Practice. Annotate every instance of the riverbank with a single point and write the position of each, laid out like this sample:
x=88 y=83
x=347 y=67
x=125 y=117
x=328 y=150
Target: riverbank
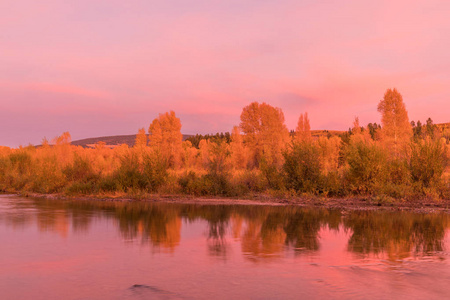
x=344 y=204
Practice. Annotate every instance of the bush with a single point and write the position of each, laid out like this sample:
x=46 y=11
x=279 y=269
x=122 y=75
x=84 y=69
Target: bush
x=302 y=168
x=427 y=163
x=21 y=166
x=109 y=184
x=135 y=175
x=332 y=184
x=80 y=170
x=191 y=184
x=21 y=161
x=154 y=172
x=272 y=175
x=47 y=176
x=250 y=181
x=217 y=184
x=128 y=176
x=83 y=188
x=367 y=167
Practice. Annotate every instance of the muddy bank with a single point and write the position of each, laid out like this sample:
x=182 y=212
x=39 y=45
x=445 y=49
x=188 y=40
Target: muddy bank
x=344 y=204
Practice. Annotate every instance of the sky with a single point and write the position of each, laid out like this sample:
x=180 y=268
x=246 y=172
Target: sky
x=109 y=67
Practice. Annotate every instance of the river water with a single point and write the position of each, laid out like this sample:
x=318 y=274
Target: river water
x=109 y=250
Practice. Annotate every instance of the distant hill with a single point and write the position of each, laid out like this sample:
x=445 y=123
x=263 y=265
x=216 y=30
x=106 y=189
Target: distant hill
x=111 y=141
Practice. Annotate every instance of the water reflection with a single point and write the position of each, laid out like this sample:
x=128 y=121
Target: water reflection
x=149 y=223
x=399 y=234
x=264 y=233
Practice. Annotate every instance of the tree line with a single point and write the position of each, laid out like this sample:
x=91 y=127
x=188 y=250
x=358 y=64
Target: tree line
x=395 y=159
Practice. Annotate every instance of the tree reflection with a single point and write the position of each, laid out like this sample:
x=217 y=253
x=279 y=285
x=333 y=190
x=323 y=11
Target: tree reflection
x=265 y=233
x=271 y=230
x=399 y=234
x=218 y=218
x=262 y=241
x=150 y=223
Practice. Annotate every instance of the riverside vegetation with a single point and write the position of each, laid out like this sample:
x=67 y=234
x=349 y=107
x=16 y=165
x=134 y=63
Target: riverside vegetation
x=398 y=159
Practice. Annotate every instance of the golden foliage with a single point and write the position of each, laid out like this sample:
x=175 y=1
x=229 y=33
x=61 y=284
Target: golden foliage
x=259 y=157
x=396 y=130
x=303 y=130
x=265 y=133
x=166 y=137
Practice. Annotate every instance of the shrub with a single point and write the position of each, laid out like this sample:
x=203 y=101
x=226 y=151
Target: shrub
x=250 y=181
x=47 y=176
x=427 y=163
x=191 y=184
x=80 y=170
x=302 y=168
x=154 y=172
x=216 y=184
x=366 y=167
x=20 y=170
x=332 y=184
x=128 y=176
x=272 y=175
x=83 y=188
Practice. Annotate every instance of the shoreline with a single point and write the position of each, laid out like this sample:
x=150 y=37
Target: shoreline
x=342 y=204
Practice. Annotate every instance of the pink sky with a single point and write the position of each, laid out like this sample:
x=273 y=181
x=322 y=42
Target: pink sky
x=107 y=67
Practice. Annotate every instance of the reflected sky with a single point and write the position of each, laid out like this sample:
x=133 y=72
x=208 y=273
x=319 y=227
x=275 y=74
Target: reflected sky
x=104 y=249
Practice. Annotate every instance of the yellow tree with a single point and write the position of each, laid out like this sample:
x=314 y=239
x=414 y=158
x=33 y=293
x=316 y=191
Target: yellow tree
x=264 y=132
x=141 y=139
x=303 y=130
x=238 y=151
x=63 y=139
x=358 y=135
x=203 y=147
x=396 y=130
x=166 y=137
x=329 y=149
x=189 y=155
x=140 y=147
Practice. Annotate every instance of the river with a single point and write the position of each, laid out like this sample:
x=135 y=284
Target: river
x=54 y=249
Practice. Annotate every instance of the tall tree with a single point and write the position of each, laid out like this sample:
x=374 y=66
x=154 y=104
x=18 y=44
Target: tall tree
x=264 y=132
x=166 y=137
x=141 y=139
x=238 y=151
x=303 y=131
x=396 y=130
x=358 y=135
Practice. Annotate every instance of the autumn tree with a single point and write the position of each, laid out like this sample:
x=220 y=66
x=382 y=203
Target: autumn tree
x=264 y=133
x=374 y=129
x=189 y=155
x=63 y=139
x=303 y=130
x=431 y=128
x=358 y=134
x=204 y=153
x=428 y=162
x=396 y=130
x=329 y=149
x=302 y=167
x=141 y=139
x=238 y=150
x=166 y=137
